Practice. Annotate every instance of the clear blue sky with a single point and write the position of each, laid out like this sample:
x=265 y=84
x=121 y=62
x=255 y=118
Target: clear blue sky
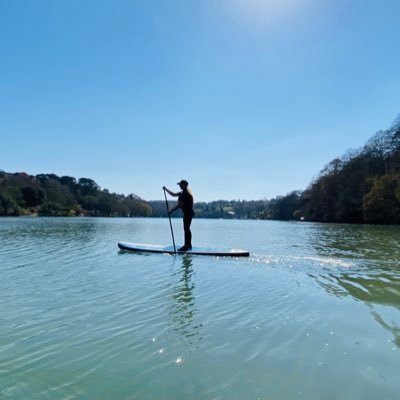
x=246 y=99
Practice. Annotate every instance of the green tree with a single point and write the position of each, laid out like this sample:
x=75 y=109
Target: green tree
x=382 y=203
x=88 y=187
x=283 y=208
x=52 y=208
x=32 y=196
x=137 y=208
x=89 y=203
x=8 y=205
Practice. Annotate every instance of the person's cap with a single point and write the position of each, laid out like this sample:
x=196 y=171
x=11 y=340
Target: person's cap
x=183 y=182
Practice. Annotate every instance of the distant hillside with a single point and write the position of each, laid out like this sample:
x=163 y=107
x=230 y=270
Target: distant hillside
x=51 y=195
x=363 y=186
x=227 y=209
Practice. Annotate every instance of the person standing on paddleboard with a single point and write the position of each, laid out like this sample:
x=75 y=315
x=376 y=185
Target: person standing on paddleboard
x=185 y=203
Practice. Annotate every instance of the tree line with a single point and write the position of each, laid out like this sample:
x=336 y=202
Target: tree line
x=362 y=186
x=227 y=209
x=51 y=195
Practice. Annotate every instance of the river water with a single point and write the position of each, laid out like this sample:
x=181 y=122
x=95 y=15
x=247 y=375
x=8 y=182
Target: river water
x=313 y=313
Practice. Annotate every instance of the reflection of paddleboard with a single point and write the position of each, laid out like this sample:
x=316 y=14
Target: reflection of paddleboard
x=198 y=251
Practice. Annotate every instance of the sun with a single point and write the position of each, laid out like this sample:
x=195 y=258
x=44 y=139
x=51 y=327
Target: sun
x=266 y=12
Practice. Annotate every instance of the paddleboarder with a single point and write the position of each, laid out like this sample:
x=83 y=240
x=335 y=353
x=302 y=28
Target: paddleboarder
x=185 y=203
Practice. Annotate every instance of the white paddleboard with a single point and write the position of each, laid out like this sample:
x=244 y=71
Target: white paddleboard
x=198 y=251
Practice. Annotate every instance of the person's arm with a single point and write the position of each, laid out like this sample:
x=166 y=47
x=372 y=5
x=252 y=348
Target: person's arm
x=170 y=193
x=178 y=205
x=174 y=209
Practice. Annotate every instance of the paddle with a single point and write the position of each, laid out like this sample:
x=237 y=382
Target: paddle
x=170 y=223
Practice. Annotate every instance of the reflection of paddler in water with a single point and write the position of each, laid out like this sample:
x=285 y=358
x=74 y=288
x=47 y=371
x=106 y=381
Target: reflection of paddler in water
x=183 y=307
x=185 y=203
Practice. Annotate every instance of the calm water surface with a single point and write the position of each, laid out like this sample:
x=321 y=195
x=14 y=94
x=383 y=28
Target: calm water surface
x=314 y=313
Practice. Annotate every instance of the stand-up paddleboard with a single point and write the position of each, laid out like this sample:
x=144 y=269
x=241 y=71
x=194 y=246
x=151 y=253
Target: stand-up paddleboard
x=198 y=251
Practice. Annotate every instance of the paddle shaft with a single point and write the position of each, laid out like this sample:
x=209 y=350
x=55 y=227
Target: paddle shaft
x=170 y=223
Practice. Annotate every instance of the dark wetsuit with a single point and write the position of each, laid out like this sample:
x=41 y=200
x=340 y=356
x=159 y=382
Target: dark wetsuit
x=187 y=208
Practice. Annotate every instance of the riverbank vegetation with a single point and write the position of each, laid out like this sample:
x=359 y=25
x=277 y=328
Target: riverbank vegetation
x=233 y=209
x=51 y=195
x=363 y=186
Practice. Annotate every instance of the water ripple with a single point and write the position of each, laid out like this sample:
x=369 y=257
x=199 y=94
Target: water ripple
x=81 y=320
